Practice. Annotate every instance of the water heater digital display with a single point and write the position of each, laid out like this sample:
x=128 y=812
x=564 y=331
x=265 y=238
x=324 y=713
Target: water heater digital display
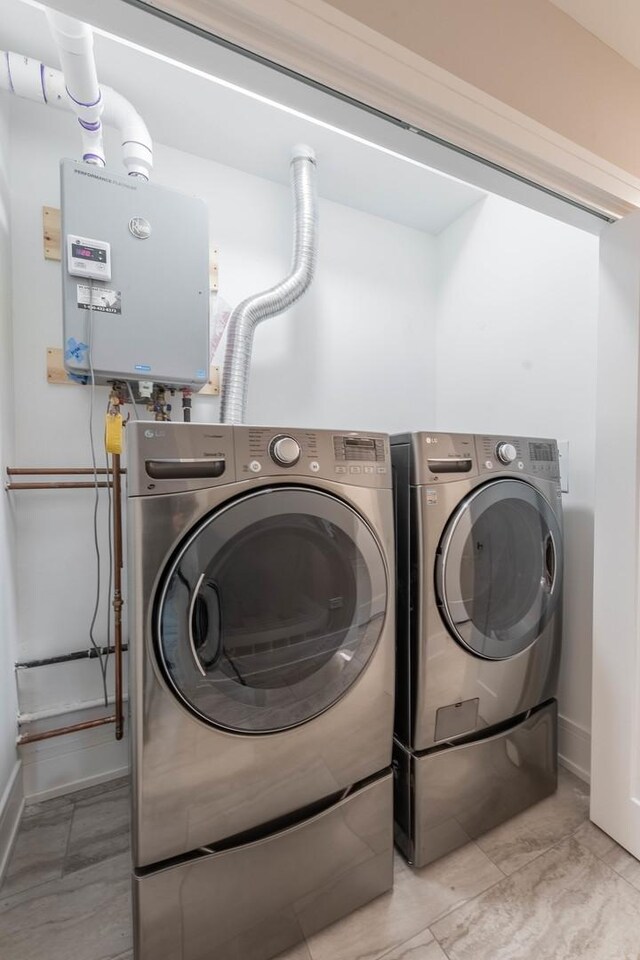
x=88 y=258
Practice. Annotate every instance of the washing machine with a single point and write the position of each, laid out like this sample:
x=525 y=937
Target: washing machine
x=479 y=623
x=261 y=598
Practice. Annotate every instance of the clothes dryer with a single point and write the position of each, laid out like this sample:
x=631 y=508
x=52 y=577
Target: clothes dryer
x=262 y=646
x=479 y=567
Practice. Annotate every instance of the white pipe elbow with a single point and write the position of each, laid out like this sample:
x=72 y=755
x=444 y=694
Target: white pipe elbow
x=137 y=146
x=75 y=46
x=28 y=78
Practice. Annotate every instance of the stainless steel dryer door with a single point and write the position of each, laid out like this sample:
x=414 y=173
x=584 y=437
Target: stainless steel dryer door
x=499 y=569
x=271 y=609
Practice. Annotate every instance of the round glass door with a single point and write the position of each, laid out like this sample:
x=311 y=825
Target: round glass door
x=271 y=609
x=499 y=569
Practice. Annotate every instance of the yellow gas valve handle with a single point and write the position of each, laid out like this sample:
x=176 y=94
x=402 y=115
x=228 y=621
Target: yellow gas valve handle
x=113 y=433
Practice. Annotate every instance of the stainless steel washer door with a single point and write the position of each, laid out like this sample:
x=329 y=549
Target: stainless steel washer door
x=271 y=609
x=499 y=569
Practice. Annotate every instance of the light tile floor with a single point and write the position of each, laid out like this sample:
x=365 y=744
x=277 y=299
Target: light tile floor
x=548 y=885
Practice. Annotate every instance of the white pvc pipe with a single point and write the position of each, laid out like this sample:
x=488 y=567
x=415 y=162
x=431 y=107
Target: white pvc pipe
x=137 y=148
x=75 y=46
x=28 y=78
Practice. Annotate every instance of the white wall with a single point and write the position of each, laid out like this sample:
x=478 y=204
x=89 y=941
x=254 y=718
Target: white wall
x=351 y=354
x=495 y=318
x=9 y=771
x=516 y=353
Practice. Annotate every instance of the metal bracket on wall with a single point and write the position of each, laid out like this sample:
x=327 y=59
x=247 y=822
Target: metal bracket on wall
x=213 y=270
x=212 y=388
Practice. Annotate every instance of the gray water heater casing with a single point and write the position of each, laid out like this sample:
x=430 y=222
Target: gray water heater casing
x=150 y=321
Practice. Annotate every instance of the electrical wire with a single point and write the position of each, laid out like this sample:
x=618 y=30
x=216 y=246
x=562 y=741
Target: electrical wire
x=110 y=542
x=96 y=503
x=133 y=400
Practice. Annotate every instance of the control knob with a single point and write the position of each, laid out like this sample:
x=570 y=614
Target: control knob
x=506 y=452
x=285 y=451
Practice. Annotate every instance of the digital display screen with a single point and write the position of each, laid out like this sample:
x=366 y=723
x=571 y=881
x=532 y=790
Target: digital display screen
x=359 y=442
x=359 y=448
x=542 y=452
x=82 y=252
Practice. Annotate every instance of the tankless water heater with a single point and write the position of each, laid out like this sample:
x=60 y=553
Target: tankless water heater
x=135 y=279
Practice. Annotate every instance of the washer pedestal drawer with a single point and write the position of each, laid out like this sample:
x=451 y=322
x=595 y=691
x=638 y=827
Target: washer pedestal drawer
x=257 y=899
x=451 y=795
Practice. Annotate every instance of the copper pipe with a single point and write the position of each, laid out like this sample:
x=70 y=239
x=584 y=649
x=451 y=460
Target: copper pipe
x=56 y=471
x=57 y=486
x=117 y=590
x=61 y=731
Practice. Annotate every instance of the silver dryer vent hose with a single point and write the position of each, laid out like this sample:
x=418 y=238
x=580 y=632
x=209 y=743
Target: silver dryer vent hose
x=252 y=311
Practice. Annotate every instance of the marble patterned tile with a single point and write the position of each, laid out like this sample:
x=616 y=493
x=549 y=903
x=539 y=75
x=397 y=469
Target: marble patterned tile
x=417 y=899
x=421 y=947
x=41 y=843
x=33 y=810
x=530 y=833
x=595 y=839
x=99 y=828
x=98 y=789
x=299 y=952
x=625 y=864
x=85 y=916
x=565 y=905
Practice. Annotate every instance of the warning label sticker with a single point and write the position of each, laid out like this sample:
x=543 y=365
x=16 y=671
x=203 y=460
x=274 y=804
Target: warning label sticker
x=99 y=299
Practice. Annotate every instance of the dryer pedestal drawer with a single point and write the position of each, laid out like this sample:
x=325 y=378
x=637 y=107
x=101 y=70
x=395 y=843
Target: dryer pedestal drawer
x=449 y=796
x=255 y=900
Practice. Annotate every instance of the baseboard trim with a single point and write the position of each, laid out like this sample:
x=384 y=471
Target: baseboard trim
x=574 y=748
x=76 y=785
x=11 y=807
x=65 y=764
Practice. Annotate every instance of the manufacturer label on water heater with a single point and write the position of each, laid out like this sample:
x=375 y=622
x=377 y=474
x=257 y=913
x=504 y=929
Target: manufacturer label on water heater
x=100 y=299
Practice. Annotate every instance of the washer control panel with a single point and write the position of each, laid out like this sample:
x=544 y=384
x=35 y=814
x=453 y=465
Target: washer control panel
x=527 y=455
x=180 y=457
x=349 y=457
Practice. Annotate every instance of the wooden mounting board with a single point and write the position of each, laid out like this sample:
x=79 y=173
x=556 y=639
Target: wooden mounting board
x=51 y=233
x=56 y=372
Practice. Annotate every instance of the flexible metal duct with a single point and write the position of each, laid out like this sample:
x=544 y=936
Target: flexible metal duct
x=252 y=311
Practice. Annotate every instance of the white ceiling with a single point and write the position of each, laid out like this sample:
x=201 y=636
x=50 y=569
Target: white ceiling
x=191 y=111
x=615 y=22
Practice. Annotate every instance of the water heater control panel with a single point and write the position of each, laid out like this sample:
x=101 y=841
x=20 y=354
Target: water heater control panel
x=88 y=258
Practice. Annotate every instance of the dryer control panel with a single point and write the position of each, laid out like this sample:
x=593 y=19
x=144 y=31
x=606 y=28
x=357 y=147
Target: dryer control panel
x=529 y=455
x=447 y=457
